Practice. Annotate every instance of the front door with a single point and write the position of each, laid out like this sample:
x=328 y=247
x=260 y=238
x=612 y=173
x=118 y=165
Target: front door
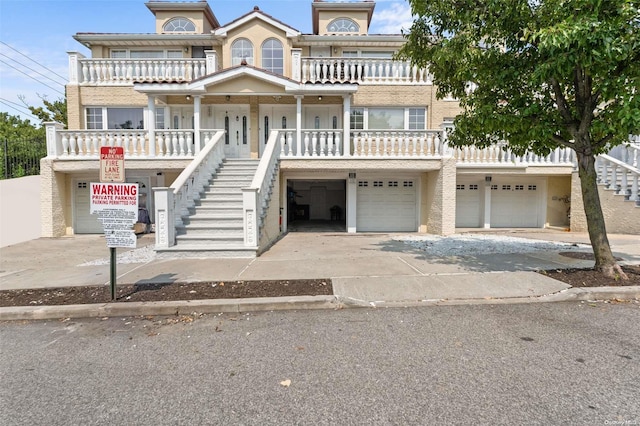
x=275 y=117
x=235 y=122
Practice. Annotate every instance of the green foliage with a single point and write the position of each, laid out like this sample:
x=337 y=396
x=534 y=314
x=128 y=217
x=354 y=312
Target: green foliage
x=547 y=73
x=22 y=145
x=52 y=111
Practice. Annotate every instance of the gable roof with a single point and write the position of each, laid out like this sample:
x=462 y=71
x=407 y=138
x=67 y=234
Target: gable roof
x=257 y=14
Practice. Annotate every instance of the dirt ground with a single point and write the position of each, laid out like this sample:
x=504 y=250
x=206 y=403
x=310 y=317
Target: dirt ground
x=245 y=289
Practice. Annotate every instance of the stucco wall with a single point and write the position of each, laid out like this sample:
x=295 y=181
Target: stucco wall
x=621 y=217
x=558 y=200
x=325 y=17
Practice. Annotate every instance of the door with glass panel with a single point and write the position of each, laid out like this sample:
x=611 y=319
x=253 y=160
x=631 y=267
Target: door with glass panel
x=235 y=122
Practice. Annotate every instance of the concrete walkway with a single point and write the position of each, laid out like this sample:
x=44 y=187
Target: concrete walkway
x=366 y=269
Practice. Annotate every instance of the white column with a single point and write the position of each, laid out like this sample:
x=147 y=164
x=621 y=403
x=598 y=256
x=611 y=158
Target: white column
x=75 y=69
x=165 y=227
x=197 y=102
x=352 y=198
x=296 y=64
x=487 y=204
x=299 y=125
x=211 y=61
x=346 y=122
x=151 y=124
x=54 y=141
x=250 y=219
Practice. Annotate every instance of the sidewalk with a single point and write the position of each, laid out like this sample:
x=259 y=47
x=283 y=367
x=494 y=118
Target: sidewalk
x=366 y=269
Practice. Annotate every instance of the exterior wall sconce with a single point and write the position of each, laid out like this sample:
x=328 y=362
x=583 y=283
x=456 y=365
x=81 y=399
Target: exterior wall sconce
x=487 y=179
x=320 y=97
x=352 y=177
x=228 y=98
x=188 y=97
x=277 y=98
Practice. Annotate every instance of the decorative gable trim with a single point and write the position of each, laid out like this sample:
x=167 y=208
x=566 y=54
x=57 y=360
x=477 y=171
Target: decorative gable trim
x=257 y=14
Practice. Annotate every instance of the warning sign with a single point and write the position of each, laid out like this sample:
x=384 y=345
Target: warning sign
x=116 y=205
x=111 y=164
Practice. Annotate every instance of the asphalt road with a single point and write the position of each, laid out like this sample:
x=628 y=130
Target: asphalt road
x=569 y=363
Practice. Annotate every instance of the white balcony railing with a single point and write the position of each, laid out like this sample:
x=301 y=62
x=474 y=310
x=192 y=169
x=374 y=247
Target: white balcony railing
x=126 y=71
x=362 y=71
x=500 y=154
x=86 y=144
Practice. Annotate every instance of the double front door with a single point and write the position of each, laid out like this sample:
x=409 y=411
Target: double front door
x=235 y=122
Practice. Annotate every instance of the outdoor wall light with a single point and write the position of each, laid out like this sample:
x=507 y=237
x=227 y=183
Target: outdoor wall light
x=228 y=98
x=188 y=97
x=320 y=97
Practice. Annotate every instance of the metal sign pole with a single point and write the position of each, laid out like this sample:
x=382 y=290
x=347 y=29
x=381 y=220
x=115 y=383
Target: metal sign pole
x=113 y=273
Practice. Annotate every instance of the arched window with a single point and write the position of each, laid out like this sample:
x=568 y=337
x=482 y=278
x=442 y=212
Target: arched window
x=273 y=56
x=241 y=49
x=343 y=25
x=179 y=25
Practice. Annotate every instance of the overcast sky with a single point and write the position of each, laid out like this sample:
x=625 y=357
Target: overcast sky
x=35 y=36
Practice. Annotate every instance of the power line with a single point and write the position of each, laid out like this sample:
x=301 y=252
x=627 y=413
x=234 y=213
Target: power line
x=32 y=60
x=29 y=68
x=21 y=112
x=35 y=79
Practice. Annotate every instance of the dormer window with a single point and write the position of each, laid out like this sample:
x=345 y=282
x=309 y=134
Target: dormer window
x=343 y=25
x=179 y=25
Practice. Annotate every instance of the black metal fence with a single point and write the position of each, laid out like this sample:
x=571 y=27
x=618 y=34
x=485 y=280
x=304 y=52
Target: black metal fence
x=20 y=158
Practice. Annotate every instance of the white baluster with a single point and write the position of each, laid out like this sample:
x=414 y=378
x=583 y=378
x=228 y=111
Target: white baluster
x=306 y=144
x=282 y=144
x=181 y=142
x=336 y=141
x=290 y=142
x=314 y=141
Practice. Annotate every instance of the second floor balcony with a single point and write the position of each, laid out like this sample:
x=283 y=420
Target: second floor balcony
x=316 y=70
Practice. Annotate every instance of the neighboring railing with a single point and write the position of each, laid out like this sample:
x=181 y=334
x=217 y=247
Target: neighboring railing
x=174 y=202
x=21 y=157
x=500 y=154
x=399 y=143
x=119 y=71
x=362 y=71
x=628 y=152
x=619 y=176
x=255 y=198
x=86 y=144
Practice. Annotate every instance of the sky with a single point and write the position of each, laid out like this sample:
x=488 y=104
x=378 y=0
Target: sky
x=35 y=36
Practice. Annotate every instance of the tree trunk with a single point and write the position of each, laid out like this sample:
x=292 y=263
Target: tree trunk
x=605 y=262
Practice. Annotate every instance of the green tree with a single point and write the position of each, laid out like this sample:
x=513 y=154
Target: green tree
x=538 y=74
x=51 y=111
x=22 y=145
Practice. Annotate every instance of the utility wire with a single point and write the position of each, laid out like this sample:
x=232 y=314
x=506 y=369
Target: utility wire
x=32 y=60
x=35 y=79
x=21 y=112
x=29 y=68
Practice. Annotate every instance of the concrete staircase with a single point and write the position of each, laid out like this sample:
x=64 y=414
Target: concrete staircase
x=214 y=227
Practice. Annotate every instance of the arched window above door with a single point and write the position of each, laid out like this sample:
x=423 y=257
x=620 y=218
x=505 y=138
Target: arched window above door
x=273 y=56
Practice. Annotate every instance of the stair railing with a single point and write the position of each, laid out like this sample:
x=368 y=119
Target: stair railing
x=174 y=202
x=255 y=198
x=619 y=176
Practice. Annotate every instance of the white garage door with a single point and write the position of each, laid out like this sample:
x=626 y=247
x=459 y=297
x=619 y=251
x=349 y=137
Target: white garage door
x=85 y=223
x=387 y=205
x=517 y=203
x=468 y=205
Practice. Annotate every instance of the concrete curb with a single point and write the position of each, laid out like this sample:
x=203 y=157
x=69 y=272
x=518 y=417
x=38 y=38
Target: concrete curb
x=207 y=306
x=185 y=307
x=568 y=295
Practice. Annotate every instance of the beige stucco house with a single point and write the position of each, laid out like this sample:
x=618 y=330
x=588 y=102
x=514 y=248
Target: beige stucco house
x=240 y=132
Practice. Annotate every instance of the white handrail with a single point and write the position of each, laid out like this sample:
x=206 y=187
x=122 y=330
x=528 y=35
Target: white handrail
x=255 y=198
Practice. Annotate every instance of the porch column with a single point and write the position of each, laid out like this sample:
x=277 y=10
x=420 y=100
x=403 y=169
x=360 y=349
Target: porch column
x=487 y=203
x=346 y=124
x=299 y=124
x=352 y=198
x=151 y=124
x=197 y=101
x=165 y=219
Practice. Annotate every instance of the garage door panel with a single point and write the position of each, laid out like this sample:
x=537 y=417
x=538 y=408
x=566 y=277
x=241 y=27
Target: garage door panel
x=516 y=204
x=468 y=205
x=84 y=221
x=387 y=205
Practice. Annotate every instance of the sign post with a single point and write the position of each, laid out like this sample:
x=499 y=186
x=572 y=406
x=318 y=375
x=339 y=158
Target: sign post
x=116 y=204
